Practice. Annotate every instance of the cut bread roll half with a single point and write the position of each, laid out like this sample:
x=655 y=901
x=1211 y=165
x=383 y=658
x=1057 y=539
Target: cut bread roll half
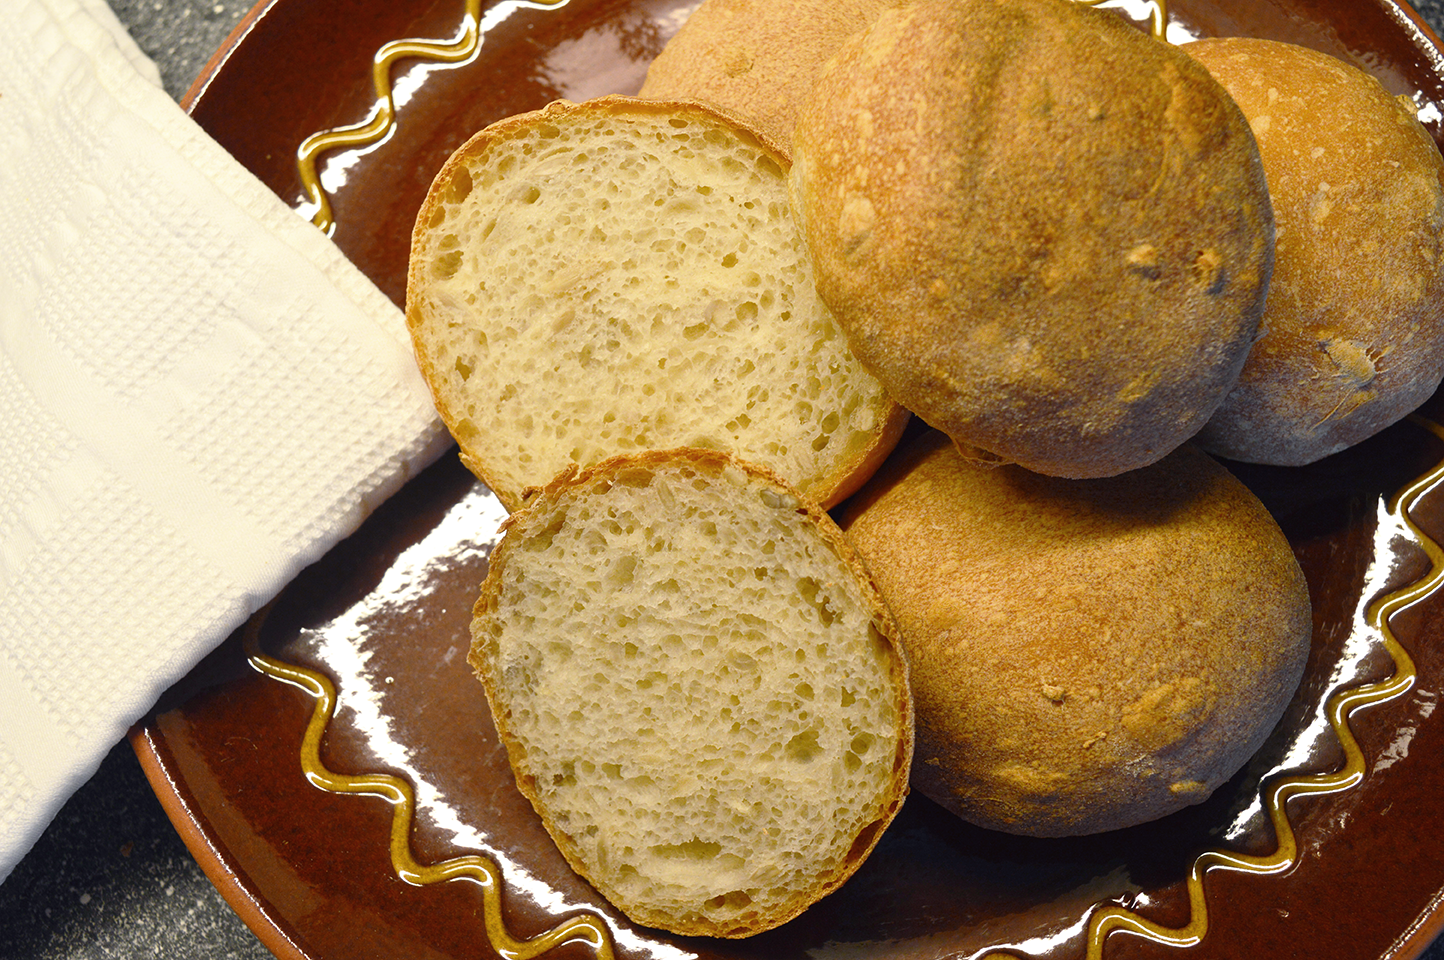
x=698 y=687
x=602 y=278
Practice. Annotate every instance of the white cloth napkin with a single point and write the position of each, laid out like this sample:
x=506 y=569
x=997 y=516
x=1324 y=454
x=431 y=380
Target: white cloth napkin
x=198 y=396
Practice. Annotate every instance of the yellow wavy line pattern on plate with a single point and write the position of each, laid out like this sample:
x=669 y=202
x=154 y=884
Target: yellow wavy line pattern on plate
x=585 y=927
x=383 y=112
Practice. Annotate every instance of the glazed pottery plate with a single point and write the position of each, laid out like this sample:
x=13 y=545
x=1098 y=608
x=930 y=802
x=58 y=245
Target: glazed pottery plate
x=334 y=768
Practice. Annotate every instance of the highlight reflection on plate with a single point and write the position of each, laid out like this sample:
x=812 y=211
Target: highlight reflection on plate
x=312 y=864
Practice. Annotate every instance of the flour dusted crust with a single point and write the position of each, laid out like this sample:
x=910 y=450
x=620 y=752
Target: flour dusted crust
x=605 y=277
x=698 y=687
x=757 y=58
x=1355 y=318
x=1046 y=232
x=1085 y=655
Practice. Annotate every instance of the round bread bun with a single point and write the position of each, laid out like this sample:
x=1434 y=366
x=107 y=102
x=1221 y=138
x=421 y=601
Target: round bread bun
x=593 y=279
x=1355 y=318
x=698 y=687
x=1046 y=232
x=1085 y=655
x=757 y=58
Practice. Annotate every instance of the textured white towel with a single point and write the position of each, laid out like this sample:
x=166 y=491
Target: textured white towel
x=198 y=396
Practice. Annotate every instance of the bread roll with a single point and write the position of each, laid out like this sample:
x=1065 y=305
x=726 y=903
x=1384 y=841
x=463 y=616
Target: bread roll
x=619 y=275
x=757 y=58
x=1086 y=655
x=1046 y=232
x=1355 y=319
x=698 y=689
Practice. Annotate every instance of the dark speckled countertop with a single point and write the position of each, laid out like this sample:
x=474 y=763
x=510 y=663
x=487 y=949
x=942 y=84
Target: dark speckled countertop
x=110 y=878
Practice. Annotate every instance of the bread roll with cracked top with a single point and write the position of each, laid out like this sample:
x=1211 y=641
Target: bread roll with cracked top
x=606 y=277
x=698 y=688
x=1355 y=318
x=1085 y=655
x=1046 y=232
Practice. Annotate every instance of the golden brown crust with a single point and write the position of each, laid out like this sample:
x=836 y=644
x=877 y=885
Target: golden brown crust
x=831 y=488
x=1085 y=655
x=851 y=477
x=574 y=483
x=757 y=58
x=1047 y=233
x=1355 y=318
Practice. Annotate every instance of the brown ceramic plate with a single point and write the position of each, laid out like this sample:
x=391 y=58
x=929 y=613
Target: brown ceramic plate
x=324 y=828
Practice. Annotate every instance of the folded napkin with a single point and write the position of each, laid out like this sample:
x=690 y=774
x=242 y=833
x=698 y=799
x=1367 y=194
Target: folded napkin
x=198 y=396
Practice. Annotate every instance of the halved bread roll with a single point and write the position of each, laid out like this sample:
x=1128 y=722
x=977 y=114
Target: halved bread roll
x=698 y=688
x=620 y=275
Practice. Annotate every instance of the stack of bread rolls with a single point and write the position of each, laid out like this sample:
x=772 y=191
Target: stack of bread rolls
x=1081 y=254
x=1086 y=260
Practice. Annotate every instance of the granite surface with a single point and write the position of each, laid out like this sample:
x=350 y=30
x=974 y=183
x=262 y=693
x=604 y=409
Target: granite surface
x=111 y=878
